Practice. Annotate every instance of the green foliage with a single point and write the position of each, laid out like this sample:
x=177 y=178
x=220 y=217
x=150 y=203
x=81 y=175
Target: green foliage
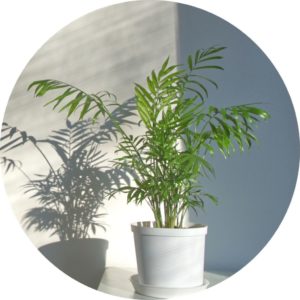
x=171 y=106
x=77 y=100
x=168 y=160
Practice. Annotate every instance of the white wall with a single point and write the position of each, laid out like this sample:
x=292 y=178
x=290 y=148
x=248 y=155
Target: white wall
x=116 y=46
x=255 y=187
x=108 y=49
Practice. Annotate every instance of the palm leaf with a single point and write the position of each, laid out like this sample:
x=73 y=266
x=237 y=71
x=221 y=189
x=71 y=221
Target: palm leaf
x=72 y=99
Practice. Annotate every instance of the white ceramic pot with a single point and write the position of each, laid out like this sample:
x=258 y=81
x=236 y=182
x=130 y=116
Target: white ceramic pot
x=171 y=258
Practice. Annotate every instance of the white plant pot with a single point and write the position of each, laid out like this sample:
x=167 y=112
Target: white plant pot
x=169 y=258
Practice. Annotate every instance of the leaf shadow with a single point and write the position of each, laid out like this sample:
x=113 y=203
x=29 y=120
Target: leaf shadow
x=71 y=197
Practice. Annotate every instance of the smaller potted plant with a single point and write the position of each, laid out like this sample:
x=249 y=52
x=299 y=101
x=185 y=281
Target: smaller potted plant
x=167 y=161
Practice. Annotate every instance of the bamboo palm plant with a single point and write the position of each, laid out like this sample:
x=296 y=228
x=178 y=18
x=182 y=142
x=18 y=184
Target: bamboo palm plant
x=169 y=159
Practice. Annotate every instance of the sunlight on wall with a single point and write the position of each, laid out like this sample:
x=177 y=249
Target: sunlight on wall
x=109 y=49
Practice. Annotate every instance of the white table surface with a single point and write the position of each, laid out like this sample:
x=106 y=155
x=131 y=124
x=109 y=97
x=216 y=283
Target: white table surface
x=116 y=282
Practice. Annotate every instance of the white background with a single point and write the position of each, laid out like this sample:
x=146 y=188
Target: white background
x=26 y=25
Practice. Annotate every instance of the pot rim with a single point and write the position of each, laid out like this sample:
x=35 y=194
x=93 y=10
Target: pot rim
x=148 y=228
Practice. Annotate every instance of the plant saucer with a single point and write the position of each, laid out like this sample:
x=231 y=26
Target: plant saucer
x=164 y=292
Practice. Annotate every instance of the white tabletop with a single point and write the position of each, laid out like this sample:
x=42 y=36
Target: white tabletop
x=116 y=282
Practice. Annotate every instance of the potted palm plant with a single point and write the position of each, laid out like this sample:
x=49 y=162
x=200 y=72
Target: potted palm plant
x=169 y=159
x=70 y=198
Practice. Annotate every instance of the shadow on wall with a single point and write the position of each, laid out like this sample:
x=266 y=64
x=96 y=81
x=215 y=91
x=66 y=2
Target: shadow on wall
x=71 y=196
